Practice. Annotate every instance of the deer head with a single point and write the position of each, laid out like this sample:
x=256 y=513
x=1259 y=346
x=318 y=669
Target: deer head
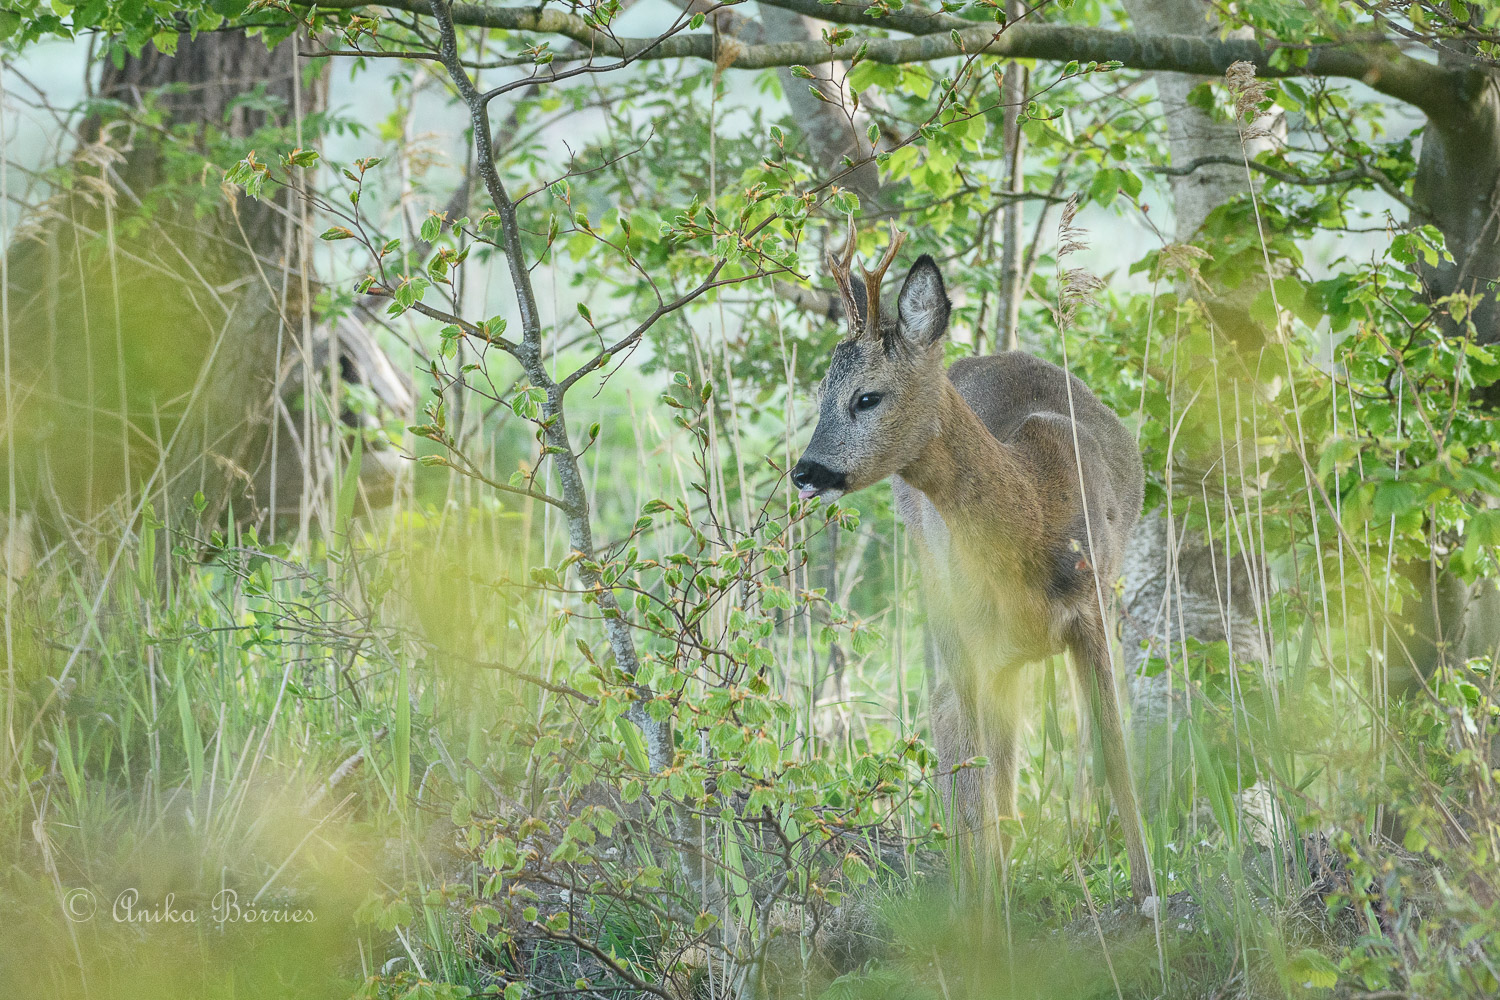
x=880 y=397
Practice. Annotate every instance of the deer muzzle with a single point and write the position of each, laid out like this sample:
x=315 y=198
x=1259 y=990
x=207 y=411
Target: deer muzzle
x=812 y=478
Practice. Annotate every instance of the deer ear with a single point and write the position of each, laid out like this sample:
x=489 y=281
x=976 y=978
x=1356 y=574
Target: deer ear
x=923 y=306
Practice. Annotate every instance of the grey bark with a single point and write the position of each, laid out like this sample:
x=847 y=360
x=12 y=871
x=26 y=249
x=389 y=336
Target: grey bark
x=153 y=349
x=150 y=344
x=831 y=127
x=939 y=36
x=1191 y=133
x=1458 y=185
x=1457 y=188
x=1012 y=216
x=1177 y=587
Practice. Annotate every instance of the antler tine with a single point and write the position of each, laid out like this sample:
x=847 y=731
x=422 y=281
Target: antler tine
x=873 y=278
x=838 y=267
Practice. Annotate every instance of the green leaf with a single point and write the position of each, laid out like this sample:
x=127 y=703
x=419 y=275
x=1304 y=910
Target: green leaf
x=349 y=489
x=1202 y=98
x=871 y=74
x=1483 y=529
x=432 y=228
x=408 y=294
x=856 y=871
x=482 y=918
x=1106 y=185
x=1313 y=970
x=1395 y=498
x=916 y=80
x=1338 y=454
x=630 y=736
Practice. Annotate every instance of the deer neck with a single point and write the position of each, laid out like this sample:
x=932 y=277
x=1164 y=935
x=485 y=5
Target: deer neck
x=976 y=482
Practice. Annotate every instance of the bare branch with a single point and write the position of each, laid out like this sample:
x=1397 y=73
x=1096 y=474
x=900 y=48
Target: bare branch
x=484 y=149
x=1437 y=90
x=1355 y=173
x=575 y=500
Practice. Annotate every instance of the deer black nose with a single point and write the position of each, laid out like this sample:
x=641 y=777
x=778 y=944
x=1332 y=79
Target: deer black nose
x=813 y=477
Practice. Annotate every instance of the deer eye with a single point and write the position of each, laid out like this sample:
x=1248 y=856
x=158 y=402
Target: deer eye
x=867 y=401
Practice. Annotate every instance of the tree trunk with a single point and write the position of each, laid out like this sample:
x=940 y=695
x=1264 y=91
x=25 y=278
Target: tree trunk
x=153 y=329
x=1012 y=234
x=153 y=314
x=1458 y=184
x=1191 y=133
x=211 y=82
x=1457 y=187
x=832 y=127
x=1177 y=587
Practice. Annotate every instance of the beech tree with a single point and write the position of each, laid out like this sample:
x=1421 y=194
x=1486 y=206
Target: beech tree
x=192 y=395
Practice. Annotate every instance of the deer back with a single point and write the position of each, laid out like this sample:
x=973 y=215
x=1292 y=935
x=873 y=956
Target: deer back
x=1023 y=402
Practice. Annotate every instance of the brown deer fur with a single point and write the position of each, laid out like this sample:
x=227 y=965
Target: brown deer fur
x=1018 y=562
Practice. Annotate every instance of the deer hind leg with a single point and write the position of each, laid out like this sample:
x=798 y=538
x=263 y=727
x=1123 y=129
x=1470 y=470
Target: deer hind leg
x=1089 y=646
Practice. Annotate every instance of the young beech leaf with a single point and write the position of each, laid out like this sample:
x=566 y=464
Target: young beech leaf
x=856 y=871
x=1312 y=970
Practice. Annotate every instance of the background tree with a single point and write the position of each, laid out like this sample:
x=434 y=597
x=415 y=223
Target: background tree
x=167 y=342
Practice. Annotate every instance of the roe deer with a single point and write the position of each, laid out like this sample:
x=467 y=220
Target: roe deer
x=1020 y=534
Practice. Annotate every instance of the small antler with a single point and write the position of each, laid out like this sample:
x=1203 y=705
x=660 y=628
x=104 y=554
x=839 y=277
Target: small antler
x=839 y=265
x=875 y=277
